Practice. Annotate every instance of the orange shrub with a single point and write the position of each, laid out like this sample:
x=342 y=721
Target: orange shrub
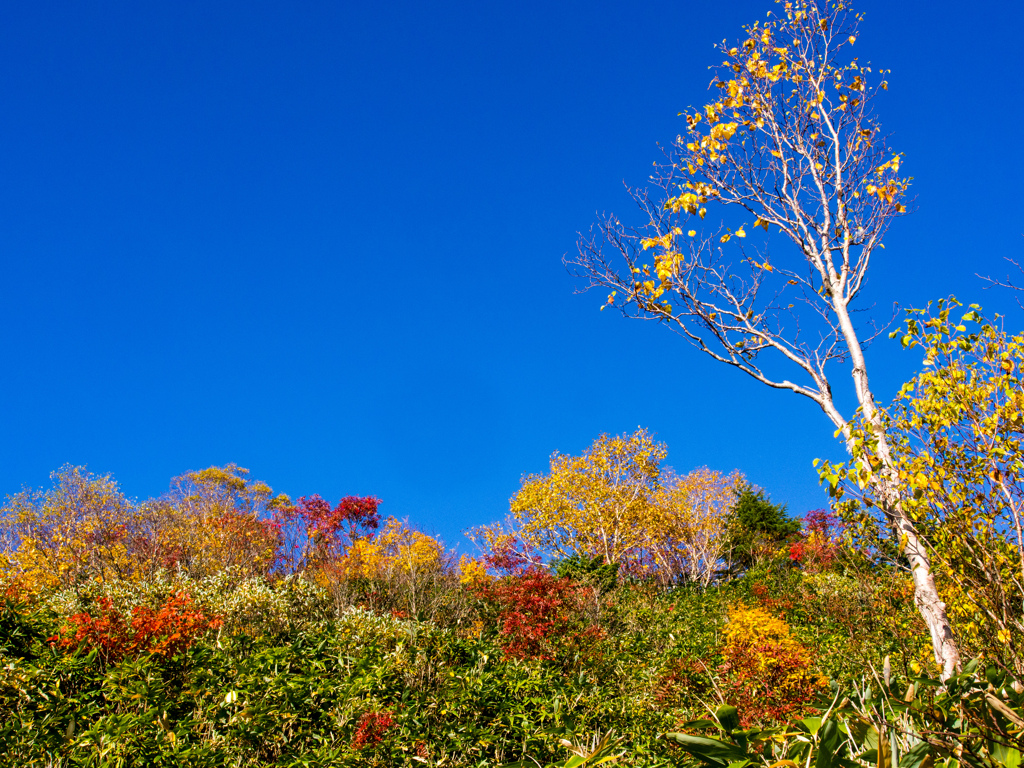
x=164 y=631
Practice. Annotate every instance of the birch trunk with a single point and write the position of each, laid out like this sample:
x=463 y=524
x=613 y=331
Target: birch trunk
x=887 y=491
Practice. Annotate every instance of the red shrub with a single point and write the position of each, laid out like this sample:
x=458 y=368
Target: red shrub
x=166 y=631
x=541 y=616
x=682 y=679
x=819 y=544
x=777 y=605
x=371 y=728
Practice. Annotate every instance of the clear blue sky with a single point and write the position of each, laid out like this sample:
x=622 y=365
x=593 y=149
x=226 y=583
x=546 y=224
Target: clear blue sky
x=323 y=240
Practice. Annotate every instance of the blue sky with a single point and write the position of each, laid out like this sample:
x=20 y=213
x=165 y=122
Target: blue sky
x=324 y=240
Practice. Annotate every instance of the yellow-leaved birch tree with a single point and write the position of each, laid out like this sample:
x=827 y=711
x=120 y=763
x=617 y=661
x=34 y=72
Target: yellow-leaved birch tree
x=688 y=529
x=597 y=504
x=789 y=144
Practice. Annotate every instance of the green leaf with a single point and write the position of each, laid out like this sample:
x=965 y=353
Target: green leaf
x=918 y=756
x=829 y=742
x=709 y=751
x=1003 y=754
x=994 y=676
x=729 y=717
x=812 y=724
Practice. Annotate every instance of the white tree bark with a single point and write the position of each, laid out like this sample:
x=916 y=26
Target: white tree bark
x=790 y=141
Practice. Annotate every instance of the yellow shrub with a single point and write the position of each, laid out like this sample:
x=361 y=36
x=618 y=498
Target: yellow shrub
x=768 y=670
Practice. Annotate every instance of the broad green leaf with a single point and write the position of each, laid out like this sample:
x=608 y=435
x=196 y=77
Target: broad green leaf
x=729 y=717
x=829 y=742
x=710 y=751
x=918 y=756
x=812 y=724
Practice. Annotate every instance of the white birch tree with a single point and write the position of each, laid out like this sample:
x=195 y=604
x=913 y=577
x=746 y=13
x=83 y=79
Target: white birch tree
x=790 y=144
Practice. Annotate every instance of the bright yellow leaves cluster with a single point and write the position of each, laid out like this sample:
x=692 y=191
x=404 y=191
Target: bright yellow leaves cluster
x=614 y=501
x=597 y=503
x=472 y=571
x=783 y=97
x=957 y=437
x=887 y=186
x=398 y=549
x=768 y=668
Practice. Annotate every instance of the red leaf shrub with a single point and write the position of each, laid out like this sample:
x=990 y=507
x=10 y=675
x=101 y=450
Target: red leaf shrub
x=541 y=616
x=165 y=631
x=776 y=605
x=682 y=681
x=371 y=728
x=819 y=545
x=508 y=554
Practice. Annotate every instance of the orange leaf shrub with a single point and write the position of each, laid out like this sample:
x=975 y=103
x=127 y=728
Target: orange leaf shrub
x=165 y=631
x=767 y=669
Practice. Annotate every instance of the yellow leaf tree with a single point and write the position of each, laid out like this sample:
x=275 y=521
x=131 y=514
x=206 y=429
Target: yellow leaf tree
x=214 y=519
x=597 y=504
x=81 y=528
x=957 y=435
x=788 y=143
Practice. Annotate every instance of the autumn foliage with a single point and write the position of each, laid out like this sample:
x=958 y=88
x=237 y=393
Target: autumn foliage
x=371 y=728
x=617 y=503
x=320 y=533
x=164 y=631
x=765 y=667
x=819 y=544
x=224 y=624
x=541 y=616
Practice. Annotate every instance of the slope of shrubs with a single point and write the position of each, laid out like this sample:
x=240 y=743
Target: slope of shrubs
x=251 y=671
x=136 y=635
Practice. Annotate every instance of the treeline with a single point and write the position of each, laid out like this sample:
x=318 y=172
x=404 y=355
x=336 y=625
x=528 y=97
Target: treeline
x=83 y=530
x=221 y=624
x=224 y=625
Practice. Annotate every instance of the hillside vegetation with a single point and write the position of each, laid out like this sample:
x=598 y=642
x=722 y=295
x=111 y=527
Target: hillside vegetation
x=220 y=625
